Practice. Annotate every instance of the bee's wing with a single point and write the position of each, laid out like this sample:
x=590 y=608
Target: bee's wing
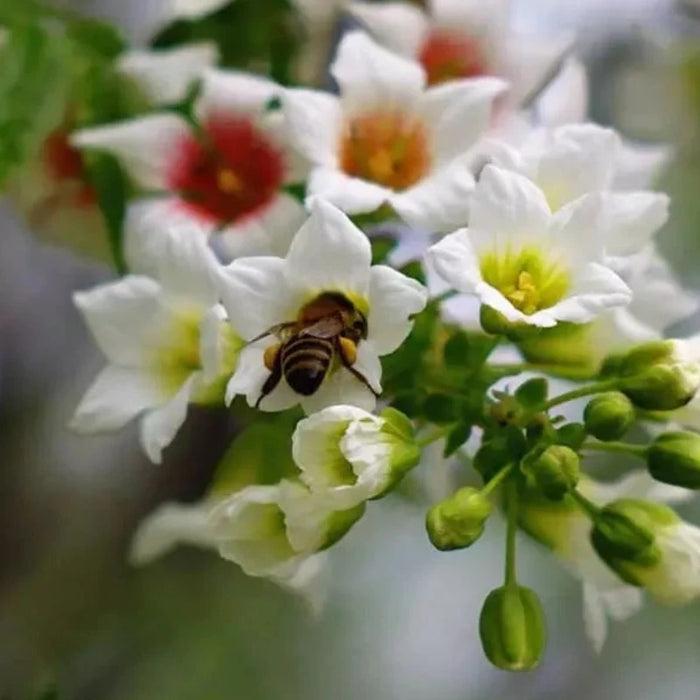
x=273 y=330
x=327 y=327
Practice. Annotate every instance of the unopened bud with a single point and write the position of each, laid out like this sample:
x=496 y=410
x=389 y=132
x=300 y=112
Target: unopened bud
x=609 y=416
x=512 y=628
x=674 y=458
x=458 y=521
x=554 y=471
x=661 y=376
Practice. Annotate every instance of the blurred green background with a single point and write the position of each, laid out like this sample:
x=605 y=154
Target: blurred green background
x=401 y=619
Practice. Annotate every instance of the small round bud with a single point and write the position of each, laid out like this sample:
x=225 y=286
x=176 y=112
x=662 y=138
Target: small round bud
x=661 y=376
x=674 y=458
x=512 y=628
x=458 y=521
x=555 y=471
x=609 y=416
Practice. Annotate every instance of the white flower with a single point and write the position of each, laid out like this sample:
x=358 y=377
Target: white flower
x=565 y=529
x=326 y=273
x=166 y=341
x=387 y=139
x=348 y=455
x=173 y=524
x=165 y=76
x=530 y=265
x=230 y=179
x=573 y=160
x=456 y=39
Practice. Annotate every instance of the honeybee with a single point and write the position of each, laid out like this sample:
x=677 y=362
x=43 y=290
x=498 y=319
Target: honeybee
x=329 y=327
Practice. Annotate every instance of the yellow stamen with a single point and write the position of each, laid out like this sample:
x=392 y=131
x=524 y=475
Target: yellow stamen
x=229 y=182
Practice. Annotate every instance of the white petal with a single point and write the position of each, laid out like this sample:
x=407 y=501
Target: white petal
x=618 y=603
x=120 y=316
x=577 y=230
x=192 y=9
x=565 y=101
x=440 y=202
x=116 y=396
x=147 y=220
x=268 y=233
x=211 y=342
x=352 y=195
x=313 y=119
x=399 y=26
x=159 y=427
x=457 y=262
x=256 y=294
x=595 y=289
x=234 y=92
x=640 y=165
x=329 y=252
x=168 y=526
x=529 y=64
x=458 y=113
x=508 y=207
x=471 y=15
x=146 y=146
x=393 y=298
x=631 y=219
x=310 y=581
x=165 y=76
x=297 y=167
x=368 y=73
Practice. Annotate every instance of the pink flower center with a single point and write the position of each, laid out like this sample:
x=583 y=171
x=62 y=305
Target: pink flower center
x=64 y=164
x=449 y=55
x=231 y=172
x=388 y=148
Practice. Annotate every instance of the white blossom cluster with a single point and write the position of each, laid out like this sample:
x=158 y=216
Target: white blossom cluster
x=476 y=141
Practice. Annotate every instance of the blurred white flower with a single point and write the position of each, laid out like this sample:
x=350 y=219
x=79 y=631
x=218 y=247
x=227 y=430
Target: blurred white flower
x=165 y=76
x=167 y=343
x=455 y=39
x=326 y=273
x=526 y=263
x=230 y=177
x=565 y=529
x=389 y=140
x=347 y=455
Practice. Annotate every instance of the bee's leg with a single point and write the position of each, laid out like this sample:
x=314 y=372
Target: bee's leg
x=273 y=330
x=347 y=352
x=276 y=374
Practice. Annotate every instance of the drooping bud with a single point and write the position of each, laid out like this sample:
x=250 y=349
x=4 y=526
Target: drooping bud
x=663 y=375
x=458 y=521
x=554 y=471
x=512 y=628
x=609 y=416
x=674 y=458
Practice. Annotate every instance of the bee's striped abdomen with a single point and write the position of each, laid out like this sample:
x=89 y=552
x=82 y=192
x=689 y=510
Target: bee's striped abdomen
x=305 y=362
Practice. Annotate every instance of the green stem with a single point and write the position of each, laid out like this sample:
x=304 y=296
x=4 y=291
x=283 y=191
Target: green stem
x=447 y=294
x=555 y=370
x=438 y=433
x=639 y=450
x=512 y=516
x=586 y=390
x=588 y=507
x=497 y=480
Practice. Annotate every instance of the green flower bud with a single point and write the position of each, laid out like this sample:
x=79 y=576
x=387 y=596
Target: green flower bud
x=495 y=323
x=609 y=416
x=458 y=521
x=624 y=535
x=554 y=471
x=661 y=376
x=512 y=628
x=674 y=458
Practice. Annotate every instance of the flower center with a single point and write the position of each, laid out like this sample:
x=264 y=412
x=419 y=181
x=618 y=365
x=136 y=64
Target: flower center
x=449 y=55
x=65 y=165
x=232 y=172
x=388 y=148
x=178 y=355
x=526 y=278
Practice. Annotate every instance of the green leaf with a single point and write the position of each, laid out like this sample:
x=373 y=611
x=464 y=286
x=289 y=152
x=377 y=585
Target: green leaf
x=110 y=184
x=456 y=350
x=440 y=408
x=414 y=270
x=456 y=438
x=381 y=247
x=260 y=454
x=399 y=421
x=533 y=393
x=572 y=435
x=100 y=38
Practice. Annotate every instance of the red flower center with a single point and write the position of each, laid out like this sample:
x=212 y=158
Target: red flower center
x=388 y=148
x=64 y=164
x=231 y=172
x=448 y=55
